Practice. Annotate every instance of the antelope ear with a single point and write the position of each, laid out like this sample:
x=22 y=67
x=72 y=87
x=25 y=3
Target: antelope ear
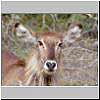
x=23 y=28
x=73 y=34
x=25 y=34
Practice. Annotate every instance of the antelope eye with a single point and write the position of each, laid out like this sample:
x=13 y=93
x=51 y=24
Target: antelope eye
x=40 y=43
x=60 y=44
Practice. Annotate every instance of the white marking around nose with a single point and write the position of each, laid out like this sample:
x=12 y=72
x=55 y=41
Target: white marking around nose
x=51 y=61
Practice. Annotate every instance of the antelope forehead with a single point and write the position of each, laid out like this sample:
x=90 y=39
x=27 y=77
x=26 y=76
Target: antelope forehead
x=51 y=40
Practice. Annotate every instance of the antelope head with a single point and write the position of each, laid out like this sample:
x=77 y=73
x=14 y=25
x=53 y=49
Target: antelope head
x=50 y=47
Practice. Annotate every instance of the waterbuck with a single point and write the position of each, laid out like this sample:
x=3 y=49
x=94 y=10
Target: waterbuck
x=43 y=66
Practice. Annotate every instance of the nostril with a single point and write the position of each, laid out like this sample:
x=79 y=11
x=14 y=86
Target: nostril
x=48 y=64
x=53 y=65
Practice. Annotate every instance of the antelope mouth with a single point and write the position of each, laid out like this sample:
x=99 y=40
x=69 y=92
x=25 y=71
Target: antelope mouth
x=49 y=72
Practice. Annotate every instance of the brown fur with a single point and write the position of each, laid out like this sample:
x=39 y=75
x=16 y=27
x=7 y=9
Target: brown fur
x=12 y=68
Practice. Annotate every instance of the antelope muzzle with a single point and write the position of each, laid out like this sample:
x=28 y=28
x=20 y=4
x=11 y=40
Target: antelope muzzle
x=50 y=65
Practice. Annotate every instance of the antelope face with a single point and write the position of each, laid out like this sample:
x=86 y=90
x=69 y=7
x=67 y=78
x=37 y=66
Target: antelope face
x=50 y=50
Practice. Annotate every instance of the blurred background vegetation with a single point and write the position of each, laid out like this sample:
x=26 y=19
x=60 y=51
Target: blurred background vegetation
x=86 y=73
x=36 y=21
